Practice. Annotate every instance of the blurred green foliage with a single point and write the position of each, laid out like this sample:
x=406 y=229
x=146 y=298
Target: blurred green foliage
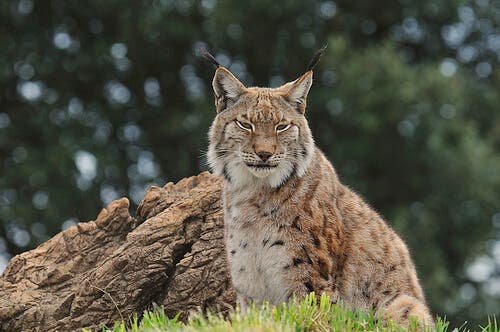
x=100 y=99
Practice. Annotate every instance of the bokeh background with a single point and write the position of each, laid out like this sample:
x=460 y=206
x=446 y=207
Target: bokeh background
x=101 y=99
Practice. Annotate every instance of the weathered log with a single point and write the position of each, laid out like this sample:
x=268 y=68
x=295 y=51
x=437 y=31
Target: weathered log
x=101 y=271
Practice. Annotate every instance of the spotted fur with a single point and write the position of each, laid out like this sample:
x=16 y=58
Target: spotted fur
x=291 y=227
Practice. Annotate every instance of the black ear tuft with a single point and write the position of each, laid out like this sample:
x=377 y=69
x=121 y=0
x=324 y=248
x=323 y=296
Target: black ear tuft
x=204 y=53
x=315 y=59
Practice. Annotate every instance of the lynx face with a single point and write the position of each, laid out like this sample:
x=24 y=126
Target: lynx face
x=260 y=135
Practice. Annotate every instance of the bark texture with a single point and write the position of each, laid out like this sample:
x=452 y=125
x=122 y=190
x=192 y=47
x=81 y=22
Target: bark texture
x=97 y=272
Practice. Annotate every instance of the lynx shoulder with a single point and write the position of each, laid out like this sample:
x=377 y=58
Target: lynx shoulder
x=291 y=227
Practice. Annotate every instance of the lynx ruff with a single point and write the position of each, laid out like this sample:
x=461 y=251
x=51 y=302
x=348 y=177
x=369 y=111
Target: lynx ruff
x=291 y=227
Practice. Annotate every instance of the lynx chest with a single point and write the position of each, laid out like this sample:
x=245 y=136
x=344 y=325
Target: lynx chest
x=257 y=255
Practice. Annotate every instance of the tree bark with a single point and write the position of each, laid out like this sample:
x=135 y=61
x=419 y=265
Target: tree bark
x=101 y=271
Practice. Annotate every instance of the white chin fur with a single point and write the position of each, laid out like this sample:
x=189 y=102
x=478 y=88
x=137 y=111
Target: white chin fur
x=262 y=173
x=242 y=175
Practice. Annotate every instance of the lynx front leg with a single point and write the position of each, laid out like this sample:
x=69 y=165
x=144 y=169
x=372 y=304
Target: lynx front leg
x=302 y=287
x=243 y=301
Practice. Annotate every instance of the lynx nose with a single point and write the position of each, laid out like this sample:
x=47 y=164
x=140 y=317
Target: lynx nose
x=264 y=155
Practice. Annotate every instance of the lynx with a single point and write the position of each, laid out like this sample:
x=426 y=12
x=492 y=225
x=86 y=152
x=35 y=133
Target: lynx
x=291 y=227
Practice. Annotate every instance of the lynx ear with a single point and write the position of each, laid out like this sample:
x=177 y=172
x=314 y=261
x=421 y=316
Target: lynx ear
x=298 y=90
x=227 y=88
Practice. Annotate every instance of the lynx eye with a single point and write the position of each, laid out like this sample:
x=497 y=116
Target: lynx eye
x=244 y=125
x=282 y=127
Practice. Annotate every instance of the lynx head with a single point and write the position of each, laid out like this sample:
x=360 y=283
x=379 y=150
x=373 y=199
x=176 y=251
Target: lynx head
x=259 y=136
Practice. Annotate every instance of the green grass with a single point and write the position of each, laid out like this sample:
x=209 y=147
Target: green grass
x=306 y=315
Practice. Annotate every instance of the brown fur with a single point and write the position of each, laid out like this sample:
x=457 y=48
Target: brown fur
x=294 y=227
